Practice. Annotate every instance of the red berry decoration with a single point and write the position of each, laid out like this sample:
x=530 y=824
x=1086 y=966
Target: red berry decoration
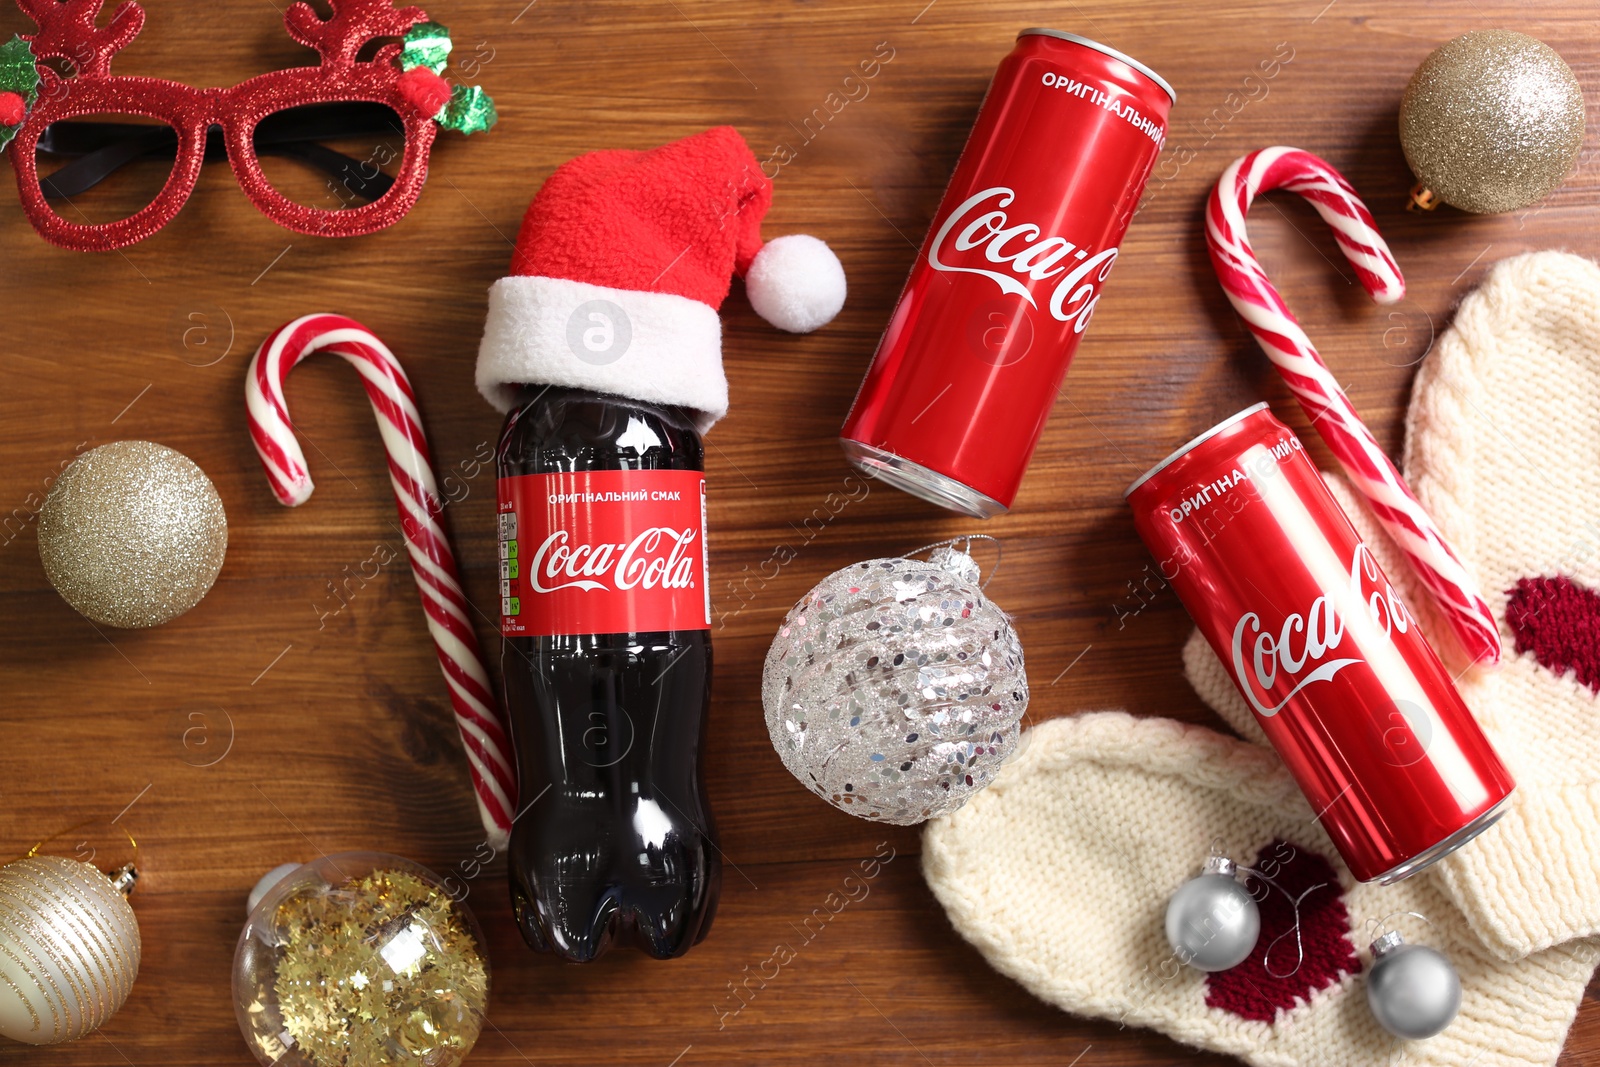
x=13 y=109
x=425 y=90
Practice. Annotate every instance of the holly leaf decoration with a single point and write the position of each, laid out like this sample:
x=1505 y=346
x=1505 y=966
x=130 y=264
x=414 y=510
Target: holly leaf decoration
x=463 y=108
x=19 y=86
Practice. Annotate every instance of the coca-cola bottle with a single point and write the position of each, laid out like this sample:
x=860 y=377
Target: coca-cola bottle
x=606 y=618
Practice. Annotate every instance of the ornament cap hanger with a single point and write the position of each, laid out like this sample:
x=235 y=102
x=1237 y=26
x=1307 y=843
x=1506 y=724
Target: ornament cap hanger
x=1422 y=199
x=1385 y=943
x=959 y=561
x=124 y=878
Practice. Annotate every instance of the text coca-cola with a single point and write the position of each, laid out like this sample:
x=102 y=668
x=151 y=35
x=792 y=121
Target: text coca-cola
x=589 y=567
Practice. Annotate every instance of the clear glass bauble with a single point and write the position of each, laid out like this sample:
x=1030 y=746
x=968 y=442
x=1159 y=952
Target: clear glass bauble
x=360 y=959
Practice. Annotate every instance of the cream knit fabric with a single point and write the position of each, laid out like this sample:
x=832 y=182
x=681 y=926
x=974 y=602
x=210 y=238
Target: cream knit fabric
x=1503 y=448
x=1060 y=871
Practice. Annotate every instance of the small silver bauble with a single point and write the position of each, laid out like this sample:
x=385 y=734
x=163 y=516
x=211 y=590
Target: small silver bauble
x=893 y=690
x=1413 y=991
x=1212 y=921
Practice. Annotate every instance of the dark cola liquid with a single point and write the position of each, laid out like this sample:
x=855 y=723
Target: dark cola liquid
x=614 y=843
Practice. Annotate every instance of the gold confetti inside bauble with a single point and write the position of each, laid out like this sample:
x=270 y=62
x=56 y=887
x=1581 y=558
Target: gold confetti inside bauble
x=1492 y=121
x=69 y=949
x=360 y=960
x=132 y=534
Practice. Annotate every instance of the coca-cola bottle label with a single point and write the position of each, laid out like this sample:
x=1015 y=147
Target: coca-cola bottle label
x=598 y=552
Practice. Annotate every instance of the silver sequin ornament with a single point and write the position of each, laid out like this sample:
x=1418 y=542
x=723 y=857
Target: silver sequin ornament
x=132 y=534
x=893 y=690
x=1491 y=121
x=1413 y=991
x=1212 y=921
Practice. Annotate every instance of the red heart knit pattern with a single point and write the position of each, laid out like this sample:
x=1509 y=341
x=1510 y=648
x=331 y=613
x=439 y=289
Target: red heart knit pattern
x=1284 y=970
x=1558 y=620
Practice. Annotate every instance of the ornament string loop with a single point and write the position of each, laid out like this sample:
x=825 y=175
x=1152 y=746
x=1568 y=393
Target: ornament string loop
x=967 y=539
x=1377 y=927
x=131 y=865
x=1294 y=904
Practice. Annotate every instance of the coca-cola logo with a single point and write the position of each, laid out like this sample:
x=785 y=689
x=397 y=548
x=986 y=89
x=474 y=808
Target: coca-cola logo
x=1297 y=652
x=658 y=558
x=1018 y=257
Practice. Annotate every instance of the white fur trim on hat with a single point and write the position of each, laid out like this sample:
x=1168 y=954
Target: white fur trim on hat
x=657 y=347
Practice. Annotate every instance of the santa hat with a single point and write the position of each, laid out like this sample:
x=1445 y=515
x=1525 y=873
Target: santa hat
x=624 y=258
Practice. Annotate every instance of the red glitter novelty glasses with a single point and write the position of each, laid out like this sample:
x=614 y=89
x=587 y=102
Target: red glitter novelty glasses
x=62 y=73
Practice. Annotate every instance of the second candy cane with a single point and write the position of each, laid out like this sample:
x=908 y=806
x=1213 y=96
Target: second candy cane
x=494 y=776
x=1330 y=411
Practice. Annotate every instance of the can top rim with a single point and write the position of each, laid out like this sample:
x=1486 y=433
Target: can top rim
x=1192 y=444
x=1039 y=31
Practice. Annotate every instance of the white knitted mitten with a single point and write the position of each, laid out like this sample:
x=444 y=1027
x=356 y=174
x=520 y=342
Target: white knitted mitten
x=1503 y=448
x=1059 y=873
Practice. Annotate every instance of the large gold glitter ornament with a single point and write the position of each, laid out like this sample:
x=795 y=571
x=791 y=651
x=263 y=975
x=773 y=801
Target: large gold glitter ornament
x=894 y=689
x=69 y=948
x=132 y=534
x=1492 y=121
x=357 y=960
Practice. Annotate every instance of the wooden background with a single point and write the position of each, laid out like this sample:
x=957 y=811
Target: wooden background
x=263 y=727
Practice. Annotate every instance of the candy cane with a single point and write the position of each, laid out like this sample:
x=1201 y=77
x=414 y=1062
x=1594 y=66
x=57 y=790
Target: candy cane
x=1320 y=395
x=417 y=498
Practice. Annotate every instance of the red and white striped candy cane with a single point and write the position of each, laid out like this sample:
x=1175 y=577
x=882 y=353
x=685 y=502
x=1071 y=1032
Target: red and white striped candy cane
x=494 y=776
x=1324 y=402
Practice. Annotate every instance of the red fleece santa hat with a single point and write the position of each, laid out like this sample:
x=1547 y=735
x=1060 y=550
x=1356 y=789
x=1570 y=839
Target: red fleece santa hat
x=621 y=264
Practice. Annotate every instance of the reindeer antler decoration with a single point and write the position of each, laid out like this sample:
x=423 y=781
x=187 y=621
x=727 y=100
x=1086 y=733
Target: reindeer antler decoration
x=340 y=36
x=68 y=31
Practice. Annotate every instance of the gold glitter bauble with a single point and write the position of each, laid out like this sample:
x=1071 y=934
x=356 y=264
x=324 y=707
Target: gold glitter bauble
x=1492 y=121
x=360 y=960
x=69 y=949
x=132 y=534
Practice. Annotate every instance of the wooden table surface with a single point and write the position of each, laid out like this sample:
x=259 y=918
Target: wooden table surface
x=266 y=726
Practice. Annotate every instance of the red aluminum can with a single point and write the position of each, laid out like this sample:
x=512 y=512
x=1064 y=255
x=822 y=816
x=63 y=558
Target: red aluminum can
x=1010 y=273
x=1322 y=648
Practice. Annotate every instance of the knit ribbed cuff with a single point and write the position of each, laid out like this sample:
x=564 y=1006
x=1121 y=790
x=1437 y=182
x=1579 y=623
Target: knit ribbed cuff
x=1531 y=880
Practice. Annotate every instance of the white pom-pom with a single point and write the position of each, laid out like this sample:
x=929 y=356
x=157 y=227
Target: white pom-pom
x=796 y=283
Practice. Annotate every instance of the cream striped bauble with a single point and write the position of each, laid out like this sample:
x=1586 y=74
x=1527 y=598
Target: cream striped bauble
x=69 y=949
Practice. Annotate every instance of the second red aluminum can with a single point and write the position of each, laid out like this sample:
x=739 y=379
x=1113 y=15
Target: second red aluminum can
x=1326 y=654
x=969 y=366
